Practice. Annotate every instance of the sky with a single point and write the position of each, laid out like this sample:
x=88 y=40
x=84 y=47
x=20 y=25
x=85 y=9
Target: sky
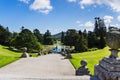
x=58 y=15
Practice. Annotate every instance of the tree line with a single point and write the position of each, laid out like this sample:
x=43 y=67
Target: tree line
x=32 y=40
x=82 y=41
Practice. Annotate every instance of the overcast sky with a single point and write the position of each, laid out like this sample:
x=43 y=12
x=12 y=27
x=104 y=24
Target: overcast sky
x=57 y=15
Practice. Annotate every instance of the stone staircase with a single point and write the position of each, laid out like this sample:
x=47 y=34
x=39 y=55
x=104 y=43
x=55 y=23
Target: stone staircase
x=47 y=78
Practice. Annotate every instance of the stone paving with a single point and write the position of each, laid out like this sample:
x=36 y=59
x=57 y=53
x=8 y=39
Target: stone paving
x=48 y=67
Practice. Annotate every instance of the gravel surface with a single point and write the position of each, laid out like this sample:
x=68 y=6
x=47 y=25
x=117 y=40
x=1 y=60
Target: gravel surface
x=48 y=67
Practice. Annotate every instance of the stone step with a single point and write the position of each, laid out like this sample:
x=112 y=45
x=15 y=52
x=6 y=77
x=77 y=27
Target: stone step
x=46 y=78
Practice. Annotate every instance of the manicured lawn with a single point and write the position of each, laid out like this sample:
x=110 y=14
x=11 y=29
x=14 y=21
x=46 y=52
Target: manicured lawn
x=7 y=56
x=48 y=47
x=92 y=58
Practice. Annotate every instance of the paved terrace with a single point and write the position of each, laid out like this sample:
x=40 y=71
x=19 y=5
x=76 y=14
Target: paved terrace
x=48 y=67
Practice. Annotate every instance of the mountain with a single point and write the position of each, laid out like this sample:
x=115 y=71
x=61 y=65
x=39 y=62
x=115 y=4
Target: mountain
x=58 y=35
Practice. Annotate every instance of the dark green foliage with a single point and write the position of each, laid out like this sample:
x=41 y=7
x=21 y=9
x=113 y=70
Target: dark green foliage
x=92 y=40
x=13 y=38
x=79 y=40
x=80 y=32
x=102 y=42
x=100 y=32
x=84 y=34
x=62 y=37
x=99 y=27
x=71 y=37
x=5 y=36
x=27 y=39
x=38 y=35
x=96 y=29
x=81 y=44
x=83 y=40
x=47 y=38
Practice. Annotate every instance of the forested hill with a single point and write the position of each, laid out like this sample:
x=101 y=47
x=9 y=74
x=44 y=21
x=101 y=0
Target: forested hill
x=58 y=35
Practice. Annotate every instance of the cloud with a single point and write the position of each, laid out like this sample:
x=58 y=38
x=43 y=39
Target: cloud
x=115 y=25
x=72 y=0
x=108 y=19
x=89 y=24
x=114 y=4
x=78 y=22
x=86 y=2
x=42 y=6
x=86 y=24
x=24 y=1
x=118 y=18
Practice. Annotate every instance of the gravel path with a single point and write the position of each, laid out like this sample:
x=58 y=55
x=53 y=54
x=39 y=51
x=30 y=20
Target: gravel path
x=49 y=67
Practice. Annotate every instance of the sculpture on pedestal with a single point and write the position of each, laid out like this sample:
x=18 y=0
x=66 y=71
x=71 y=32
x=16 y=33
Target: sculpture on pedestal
x=25 y=54
x=109 y=67
x=83 y=70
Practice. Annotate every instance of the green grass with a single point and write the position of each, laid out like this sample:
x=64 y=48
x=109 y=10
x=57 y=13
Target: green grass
x=91 y=57
x=48 y=47
x=7 y=56
x=33 y=54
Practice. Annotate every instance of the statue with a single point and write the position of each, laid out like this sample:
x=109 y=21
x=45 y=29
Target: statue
x=83 y=70
x=25 y=54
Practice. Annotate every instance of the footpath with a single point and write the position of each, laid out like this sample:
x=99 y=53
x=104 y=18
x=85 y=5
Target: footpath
x=48 y=67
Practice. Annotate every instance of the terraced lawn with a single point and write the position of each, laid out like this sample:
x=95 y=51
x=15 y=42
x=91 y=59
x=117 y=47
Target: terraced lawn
x=92 y=58
x=7 y=56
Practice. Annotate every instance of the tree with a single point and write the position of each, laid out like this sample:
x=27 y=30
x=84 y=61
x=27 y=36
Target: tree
x=5 y=36
x=22 y=28
x=47 y=38
x=100 y=32
x=80 y=32
x=27 y=39
x=76 y=39
x=13 y=38
x=71 y=37
x=102 y=42
x=81 y=44
x=38 y=35
x=92 y=40
x=85 y=34
x=96 y=29
x=62 y=37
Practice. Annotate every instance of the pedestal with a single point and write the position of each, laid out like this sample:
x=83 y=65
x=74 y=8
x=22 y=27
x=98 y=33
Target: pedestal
x=108 y=69
x=24 y=55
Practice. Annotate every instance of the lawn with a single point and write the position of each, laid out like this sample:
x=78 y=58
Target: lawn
x=92 y=58
x=7 y=56
x=49 y=47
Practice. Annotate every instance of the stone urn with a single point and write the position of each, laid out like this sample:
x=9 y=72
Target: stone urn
x=113 y=41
